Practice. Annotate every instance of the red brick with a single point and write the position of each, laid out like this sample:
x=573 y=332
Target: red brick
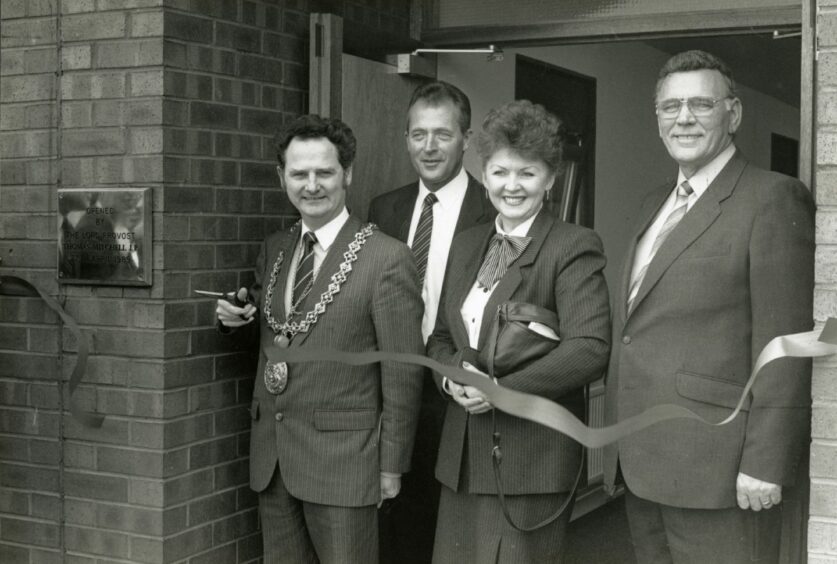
x=26 y=422
x=28 y=32
x=185 y=544
x=93 y=26
x=211 y=508
x=96 y=541
x=46 y=507
x=232 y=474
x=224 y=553
x=29 y=532
x=28 y=477
x=96 y=486
x=235 y=526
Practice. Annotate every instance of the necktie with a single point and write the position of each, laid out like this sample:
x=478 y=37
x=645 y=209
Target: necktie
x=421 y=239
x=304 y=270
x=502 y=251
x=677 y=213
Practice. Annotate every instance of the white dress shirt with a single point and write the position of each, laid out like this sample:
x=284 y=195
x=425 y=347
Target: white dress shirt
x=474 y=304
x=325 y=238
x=699 y=182
x=445 y=216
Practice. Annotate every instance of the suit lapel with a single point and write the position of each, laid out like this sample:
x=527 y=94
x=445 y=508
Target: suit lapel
x=461 y=279
x=694 y=223
x=650 y=211
x=475 y=207
x=287 y=246
x=514 y=275
x=329 y=266
x=403 y=210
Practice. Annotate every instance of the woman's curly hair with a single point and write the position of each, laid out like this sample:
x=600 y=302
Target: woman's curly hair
x=524 y=128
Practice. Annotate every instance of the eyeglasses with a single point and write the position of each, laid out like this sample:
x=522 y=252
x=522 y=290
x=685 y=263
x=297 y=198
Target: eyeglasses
x=699 y=106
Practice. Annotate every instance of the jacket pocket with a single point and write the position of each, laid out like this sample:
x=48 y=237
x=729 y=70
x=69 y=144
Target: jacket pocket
x=345 y=419
x=707 y=389
x=706 y=251
x=254 y=409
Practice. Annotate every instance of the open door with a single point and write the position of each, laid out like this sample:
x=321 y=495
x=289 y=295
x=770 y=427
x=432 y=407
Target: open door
x=371 y=97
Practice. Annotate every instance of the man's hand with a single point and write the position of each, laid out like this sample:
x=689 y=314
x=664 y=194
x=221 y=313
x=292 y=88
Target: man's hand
x=755 y=494
x=390 y=486
x=232 y=316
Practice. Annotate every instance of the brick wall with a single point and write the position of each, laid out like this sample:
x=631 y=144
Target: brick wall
x=182 y=97
x=30 y=341
x=822 y=527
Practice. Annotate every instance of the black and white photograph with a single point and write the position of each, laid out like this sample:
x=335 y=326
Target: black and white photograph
x=418 y=281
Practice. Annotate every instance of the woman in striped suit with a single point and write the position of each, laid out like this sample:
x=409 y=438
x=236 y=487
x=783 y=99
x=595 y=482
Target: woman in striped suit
x=527 y=256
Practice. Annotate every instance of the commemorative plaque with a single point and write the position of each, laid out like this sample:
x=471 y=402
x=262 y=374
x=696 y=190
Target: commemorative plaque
x=104 y=236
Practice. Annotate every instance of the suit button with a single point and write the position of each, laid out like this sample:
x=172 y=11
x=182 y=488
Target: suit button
x=626 y=340
x=278 y=416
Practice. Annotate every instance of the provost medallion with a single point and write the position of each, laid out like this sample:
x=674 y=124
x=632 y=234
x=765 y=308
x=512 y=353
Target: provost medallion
x=276 y=373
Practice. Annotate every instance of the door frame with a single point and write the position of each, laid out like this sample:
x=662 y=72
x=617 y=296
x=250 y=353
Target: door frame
x=602 y=29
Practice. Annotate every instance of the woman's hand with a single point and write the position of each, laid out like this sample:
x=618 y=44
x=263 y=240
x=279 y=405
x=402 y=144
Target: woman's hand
x=469 y=397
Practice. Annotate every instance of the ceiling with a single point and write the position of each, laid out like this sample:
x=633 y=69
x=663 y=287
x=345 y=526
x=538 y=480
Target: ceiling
x=771 y=66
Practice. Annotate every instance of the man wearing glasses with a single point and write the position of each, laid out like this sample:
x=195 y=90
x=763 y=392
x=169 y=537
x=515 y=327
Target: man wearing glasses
x=721 y=262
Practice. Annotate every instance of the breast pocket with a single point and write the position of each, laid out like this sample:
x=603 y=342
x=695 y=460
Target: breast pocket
x=707 y=250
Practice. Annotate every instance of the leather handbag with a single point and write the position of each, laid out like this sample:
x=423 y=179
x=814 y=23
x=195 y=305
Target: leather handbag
x=512 y=345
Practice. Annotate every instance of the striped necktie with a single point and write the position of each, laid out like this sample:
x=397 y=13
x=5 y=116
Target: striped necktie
x=421 y=239
x=502 y=252
x=677 y=213
x=304 y=270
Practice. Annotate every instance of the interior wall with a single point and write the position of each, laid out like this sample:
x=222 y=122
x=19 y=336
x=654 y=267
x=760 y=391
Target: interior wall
x=630 y=158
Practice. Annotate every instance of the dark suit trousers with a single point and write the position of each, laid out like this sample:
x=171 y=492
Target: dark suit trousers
x=408 y=522
x=662 y=534
x=299 y=532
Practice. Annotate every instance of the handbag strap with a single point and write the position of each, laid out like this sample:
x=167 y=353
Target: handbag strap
x=497 y=458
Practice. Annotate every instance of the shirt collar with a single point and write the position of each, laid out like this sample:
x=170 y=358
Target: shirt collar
x=701 y=180
x=521 y=230
x=328 y=232
x=450 y=193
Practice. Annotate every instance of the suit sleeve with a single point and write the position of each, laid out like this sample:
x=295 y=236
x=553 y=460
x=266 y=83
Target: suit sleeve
x=396 y=314
x=781 y=300
x=581 y=299
x=254 y=296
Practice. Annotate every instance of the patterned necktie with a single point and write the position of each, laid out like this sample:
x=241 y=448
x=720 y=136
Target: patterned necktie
x=421 y=239
x=502 y=251
x=304 y=270
x=677 y=213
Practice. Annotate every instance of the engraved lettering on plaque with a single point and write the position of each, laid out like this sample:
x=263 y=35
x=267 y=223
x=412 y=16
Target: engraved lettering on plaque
x=103 y=236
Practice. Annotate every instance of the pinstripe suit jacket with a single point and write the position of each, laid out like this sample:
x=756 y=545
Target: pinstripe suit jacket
x=736 y=272
x=561 y=270
x=336 y=427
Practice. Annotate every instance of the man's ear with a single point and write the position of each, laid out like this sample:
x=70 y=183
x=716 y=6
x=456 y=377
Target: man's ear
x=280 y=171
x=347 y=176
x=736 y=111
x=466 y=140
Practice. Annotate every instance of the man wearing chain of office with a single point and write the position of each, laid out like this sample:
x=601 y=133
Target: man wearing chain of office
x=329 y=441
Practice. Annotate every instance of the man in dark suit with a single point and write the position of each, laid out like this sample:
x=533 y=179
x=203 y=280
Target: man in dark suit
x=721 y=263
x=329 y=441
x=450 y=200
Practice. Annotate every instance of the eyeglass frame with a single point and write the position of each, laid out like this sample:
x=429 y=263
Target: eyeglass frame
x=688 y=107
